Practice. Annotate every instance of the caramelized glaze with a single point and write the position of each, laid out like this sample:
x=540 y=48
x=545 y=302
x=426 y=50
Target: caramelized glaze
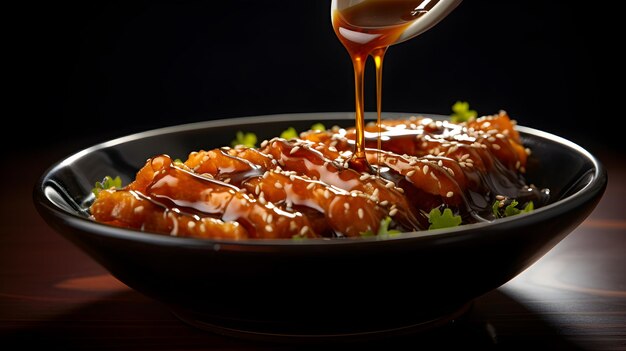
x=308 y=187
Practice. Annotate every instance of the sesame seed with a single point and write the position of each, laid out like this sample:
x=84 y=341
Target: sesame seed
x=393 y=212
x=269 y=218
x=294 y=150
x=413 y=162
x=449 y=194
x=491 y=139
x=517 y=164
x=293 y=226
x=191 y=224
x=365 y=176
x=226 y=180
x=384 y=203
x=375 y=192
x=304 y=230
x=326 y=194
x=266 y=174
x=434 y=176
x=400 y=190
x=346 y=205
x=257 y=189
x=425 y=170
x=268 y=228
x=389 y=185
x=360 y=213
x=410 y=173
x=264 y=143
x=464 y=157
x=469 y=164
x=440 y=163
x=138 y=209
x=243 y=201
x=495 y=146
x=310 y=186
x=202 y=228
x=332 y=148
x=528 y=152
x=499 y=197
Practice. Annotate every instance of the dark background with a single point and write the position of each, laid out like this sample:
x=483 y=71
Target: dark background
x=99 y=69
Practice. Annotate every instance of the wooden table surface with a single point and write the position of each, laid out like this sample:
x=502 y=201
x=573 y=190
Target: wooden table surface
x=53 y=295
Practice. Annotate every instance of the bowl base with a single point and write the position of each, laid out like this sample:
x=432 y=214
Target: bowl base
x=286 y=332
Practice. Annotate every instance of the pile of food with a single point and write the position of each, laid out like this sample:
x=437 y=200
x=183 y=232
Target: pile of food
x=428 y=174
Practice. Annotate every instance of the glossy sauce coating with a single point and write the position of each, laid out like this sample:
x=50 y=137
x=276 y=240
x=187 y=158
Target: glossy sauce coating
x=307 y=187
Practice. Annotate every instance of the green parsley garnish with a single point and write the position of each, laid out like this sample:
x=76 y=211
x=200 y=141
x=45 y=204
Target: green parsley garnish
x=440 y=220
x=383 y=229
x=318 y=126
x=245 y=139
x=461 y=112
x=107 y=183
x=289 y=133
x=511 y=209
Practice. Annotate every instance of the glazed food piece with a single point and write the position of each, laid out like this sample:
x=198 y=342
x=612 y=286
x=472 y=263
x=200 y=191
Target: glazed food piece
x=307 y=187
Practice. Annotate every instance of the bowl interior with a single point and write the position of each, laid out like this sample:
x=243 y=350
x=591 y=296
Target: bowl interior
x=556 y=164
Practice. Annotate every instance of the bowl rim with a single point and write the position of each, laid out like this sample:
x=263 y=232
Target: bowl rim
x=43 y=203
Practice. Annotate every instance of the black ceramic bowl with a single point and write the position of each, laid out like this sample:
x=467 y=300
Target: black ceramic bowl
x=323 y=287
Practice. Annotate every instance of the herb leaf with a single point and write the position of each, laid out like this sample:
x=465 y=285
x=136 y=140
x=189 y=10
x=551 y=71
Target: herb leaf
x=318 y=126
x=511 y=209
x=245 y=139
x=443 y=220
x=461 y=112
x=289 y=133
x=383 y=229
x=107 y=183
